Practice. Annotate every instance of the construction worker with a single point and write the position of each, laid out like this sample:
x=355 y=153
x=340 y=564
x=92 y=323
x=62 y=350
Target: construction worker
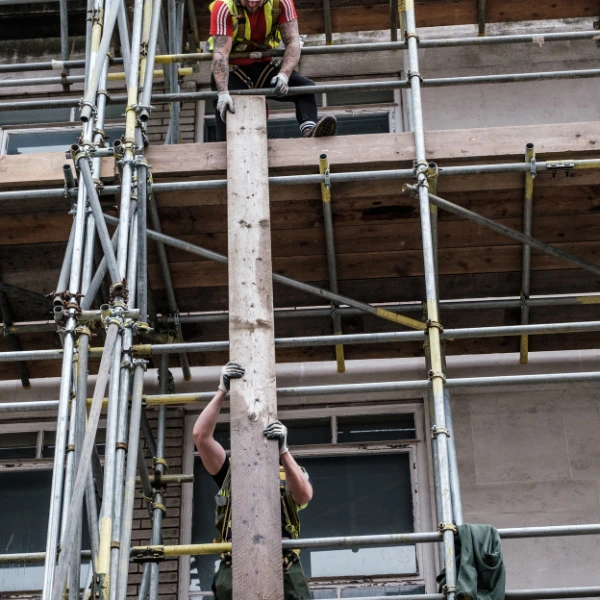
x=255 y=25
x=295 y=488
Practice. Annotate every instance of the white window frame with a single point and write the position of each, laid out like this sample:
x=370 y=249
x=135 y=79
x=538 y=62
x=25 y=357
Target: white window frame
x=393 y=109
x=38 y=463
x=8 y=130
x=418 y=450
x=20 y=465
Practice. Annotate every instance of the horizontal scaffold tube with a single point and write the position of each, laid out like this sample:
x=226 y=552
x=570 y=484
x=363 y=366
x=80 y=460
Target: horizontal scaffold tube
x=322 y=50
x=317 y=89
x=357 y=541
x=329 y=340
x=285 y=180
x=351 y=388
x=296 y=313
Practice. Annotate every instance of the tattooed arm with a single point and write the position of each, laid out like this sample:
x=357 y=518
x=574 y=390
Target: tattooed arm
x=291 y=38
x=220 y=62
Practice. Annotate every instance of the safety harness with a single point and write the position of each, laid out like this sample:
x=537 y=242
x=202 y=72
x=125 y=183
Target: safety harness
x=242 y=33
x=289 y=511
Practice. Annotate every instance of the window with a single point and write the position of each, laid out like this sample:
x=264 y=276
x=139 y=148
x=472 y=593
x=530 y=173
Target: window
x=357 y=113
x=26 y=461
x=363 y=468
x=51 y=129
x=55 y=139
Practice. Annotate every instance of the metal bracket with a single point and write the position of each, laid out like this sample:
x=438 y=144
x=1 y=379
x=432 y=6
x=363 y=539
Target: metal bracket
x=435 y=430
x=433 y=374
x=327 y=179
x=447 y=527
x=533 y=168
x=148 y=554
x=560 y=165
x=98 y=585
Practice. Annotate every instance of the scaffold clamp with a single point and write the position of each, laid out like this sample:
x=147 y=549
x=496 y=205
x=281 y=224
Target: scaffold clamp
x=447 y=527
x=433 y=374
x=448 y=589
x=435 y=430
x=560 y=165
x=327 y=179
x=533 y=168
x=148 y=554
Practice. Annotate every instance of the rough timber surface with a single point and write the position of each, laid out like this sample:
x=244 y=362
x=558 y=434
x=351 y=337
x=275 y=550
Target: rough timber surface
x=256 y=521
x=377 y=235
x=352 y=15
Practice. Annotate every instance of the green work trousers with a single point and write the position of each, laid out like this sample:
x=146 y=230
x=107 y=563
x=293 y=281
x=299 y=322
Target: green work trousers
x=295 y=584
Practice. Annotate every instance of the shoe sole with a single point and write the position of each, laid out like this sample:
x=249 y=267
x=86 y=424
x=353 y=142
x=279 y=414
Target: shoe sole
x=325 y=128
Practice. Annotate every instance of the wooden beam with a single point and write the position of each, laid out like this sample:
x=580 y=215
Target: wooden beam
x=256 y=524
x=367 y=16
x=378 y=151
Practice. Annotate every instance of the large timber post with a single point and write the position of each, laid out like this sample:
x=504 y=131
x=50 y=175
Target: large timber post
x=256 y=524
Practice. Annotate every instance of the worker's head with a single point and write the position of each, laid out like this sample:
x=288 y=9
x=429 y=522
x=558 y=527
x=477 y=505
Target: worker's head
x=252 y=6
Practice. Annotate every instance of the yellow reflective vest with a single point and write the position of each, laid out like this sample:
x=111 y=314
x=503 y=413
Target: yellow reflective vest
x=242 y=33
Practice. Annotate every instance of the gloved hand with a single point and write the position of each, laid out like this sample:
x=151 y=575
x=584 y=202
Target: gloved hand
x=280 y=83
x=277 y=430
x=230 y=371
x=224 y=104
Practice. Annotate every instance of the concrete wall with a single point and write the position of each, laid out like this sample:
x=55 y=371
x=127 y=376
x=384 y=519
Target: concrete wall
x=532 y=458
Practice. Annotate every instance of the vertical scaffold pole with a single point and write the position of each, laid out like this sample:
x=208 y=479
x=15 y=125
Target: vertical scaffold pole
x=436 y=374
x=257 y=565
x=160 y=466
x=526 y=259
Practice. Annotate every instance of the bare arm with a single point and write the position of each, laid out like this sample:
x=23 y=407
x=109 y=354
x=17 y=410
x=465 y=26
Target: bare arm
x=220 y=61
x=211 y=452
x=296 y=480
x=291 y=38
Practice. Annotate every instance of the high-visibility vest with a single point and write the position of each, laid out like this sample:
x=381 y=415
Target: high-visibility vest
x=242 y=33
x=289 y=509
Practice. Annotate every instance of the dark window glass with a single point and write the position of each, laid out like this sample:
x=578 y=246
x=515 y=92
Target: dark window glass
x=358 y=495
x=49 y=141
x=50 y=439
x=383 y=591
x=35 y=115
x=300 y=433
x=288 y=128
x=353 y=495
x=376 y=428
x=306 y=432
x=25 y=501
x=18 y=445
x=358 y=98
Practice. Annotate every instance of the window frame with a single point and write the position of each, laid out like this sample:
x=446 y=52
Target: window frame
x=394 y=109
x=422 y=498
x=38 y=463
x=7 y=130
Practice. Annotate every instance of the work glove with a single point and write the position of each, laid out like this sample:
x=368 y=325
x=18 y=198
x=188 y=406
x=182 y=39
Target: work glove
x=224 y=104
x=230 y=371
x=280 y=83
x=277 y=431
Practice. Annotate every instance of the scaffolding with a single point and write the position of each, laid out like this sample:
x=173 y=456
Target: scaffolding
x=124 y=266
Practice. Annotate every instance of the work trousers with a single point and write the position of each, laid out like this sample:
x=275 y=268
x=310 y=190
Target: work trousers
x=295 y=584
x=258 y=75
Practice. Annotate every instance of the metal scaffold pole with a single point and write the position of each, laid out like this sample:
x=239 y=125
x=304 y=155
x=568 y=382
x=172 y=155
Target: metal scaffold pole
x=436 y=374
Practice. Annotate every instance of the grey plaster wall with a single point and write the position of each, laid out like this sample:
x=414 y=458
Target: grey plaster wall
x=532 y=458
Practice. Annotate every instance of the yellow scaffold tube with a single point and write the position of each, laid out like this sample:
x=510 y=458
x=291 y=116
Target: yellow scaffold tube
x=121 y=76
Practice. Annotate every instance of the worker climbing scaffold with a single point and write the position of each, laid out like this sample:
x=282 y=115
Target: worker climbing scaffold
x=253 y=26
x=295 y=491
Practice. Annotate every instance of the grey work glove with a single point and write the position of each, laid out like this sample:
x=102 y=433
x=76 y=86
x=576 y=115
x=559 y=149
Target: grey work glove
x=280 y=83
x=224 y=104
x=277 y=431
x=230 y=371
